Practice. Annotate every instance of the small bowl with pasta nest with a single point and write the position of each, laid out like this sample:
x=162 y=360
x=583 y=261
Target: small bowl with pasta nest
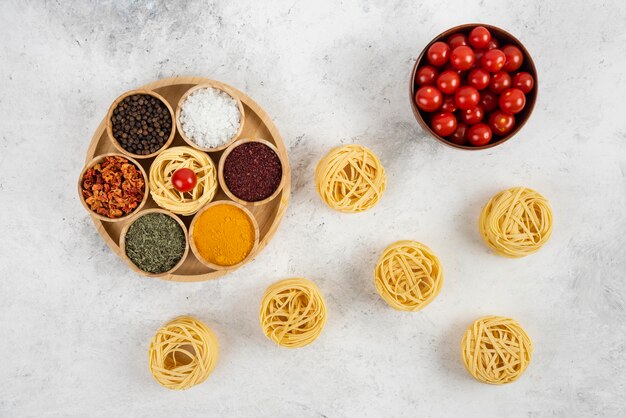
x=224 y=235
x=113 y=187
x=251 y=172
x=473 y=87
x=210 y=116
x=155 y=243
x=183 y=180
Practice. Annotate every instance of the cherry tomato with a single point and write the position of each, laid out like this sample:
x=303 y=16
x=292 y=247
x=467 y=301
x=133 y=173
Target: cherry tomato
x=501 y=123
x=459 y=136
x=184 y=179
x=458 y=39
x=479 y=135
x=426 y=75
x=448 y=82
x=514 y=58
x=438 y=54
x=500 y=81
x=493 y=60
x=479 y=37
x=489 y=101
x=473 y=116
x=428 y=98
x=478 y=78
x=466 y=97
x=523 y=81
x=443 y=123
x=448 y=105
x=462 y=58
x=493 y=44
x=512 y=100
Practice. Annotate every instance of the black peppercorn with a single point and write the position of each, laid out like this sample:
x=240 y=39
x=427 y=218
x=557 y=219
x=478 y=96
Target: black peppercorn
x=141 y=124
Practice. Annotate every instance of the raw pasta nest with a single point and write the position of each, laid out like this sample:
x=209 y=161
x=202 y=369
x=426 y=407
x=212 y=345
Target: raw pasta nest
x=350 y=178
x=293 y=312
x=408 y=275
x=516 y=222
x=183 y=353
x=496 y=350
x=162 y=189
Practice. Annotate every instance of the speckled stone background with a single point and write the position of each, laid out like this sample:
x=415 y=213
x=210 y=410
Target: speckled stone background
x=75 y=321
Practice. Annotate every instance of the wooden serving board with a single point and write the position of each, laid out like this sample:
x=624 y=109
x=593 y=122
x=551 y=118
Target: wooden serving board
x=257 y=124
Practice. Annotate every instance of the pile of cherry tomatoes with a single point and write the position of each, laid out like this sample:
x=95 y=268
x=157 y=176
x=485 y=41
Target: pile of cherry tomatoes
x=471 y=87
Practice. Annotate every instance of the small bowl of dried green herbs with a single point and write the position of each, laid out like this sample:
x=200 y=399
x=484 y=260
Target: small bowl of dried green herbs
x=155 y=243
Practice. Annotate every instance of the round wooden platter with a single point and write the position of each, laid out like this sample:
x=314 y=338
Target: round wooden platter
x=257 y=124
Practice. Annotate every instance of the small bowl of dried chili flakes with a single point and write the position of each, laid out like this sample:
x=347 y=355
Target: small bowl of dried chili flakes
x=113 y=187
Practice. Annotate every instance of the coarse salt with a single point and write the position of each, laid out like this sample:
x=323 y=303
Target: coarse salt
x=210 y=117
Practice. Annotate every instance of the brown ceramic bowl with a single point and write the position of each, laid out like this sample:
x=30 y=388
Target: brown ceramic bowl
x=423 y=118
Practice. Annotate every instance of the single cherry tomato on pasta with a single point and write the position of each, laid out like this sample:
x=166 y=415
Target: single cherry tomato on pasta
x=443 y=124
x=459 y=136
x=458 y=39
x=493 y=44
x=514 y=58
x=512 y=101
x=478 y=78
x=448 y=82
x=479 y=37
x=466 y=97
x=438 y=54
x=523 y=81
x=449 y=104
x=184 y=180
x=500 y=81
x=493 y=60
x=428 y=98
x=426 y=75
x=462 y=58
x=479 y=135
x=472 y=116
x=489 y=101
x=501 y=123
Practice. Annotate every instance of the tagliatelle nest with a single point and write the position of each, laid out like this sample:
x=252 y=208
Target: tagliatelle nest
x=293 y=312
x=350 y=178
x=496 y=350
x=516 y=222
x=183 y=353
x=408 y=276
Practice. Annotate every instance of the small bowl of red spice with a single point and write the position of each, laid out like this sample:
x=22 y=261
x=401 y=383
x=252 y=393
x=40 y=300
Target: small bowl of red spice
x=251 y=171
x=113 y=187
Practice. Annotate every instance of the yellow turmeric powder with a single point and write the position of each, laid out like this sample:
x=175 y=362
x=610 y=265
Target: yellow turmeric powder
x=224 y=235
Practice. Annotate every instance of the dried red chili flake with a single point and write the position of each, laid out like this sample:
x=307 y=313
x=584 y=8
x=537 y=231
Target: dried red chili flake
x=252 y=171
x=113 y=187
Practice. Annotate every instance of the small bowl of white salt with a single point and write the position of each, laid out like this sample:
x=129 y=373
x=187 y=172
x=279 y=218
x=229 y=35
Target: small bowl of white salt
x=209 y=117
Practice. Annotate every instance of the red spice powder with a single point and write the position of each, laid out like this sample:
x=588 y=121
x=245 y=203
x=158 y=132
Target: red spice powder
x=252 y=171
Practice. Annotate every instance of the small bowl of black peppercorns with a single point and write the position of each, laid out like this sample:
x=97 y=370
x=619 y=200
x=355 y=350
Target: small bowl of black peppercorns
x=140 y=123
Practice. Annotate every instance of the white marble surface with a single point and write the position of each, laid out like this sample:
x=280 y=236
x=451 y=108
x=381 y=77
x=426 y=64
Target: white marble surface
x=75 y=321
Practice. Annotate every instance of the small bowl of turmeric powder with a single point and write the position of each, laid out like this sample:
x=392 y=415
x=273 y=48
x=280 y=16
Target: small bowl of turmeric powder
x=223 y=235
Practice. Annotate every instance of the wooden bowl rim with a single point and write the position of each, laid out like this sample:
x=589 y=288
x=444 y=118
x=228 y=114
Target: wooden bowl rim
x=218 y=86
x=95 y=161
x=250 y=216
x=222 y=181
x=109 y=124
x=531 y=103
x=132 y=265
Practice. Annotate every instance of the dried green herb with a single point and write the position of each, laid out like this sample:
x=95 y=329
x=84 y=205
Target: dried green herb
x=155 y=243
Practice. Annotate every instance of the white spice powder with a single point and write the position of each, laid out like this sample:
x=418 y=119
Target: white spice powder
x=210 y=117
